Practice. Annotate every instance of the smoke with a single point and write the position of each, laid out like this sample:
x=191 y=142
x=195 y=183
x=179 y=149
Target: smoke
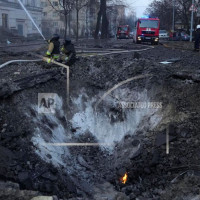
x=100 y=125
x=106 y=125
x=50 y=129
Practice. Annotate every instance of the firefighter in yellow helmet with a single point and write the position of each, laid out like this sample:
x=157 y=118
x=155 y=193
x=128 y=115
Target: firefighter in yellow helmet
x=53 y=51
x=68 y=52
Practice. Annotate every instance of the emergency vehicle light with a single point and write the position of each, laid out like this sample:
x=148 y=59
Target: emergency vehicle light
x=145 y=17
x=148 y=17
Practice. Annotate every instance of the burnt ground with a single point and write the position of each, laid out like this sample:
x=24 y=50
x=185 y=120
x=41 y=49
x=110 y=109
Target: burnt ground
x=131 y=140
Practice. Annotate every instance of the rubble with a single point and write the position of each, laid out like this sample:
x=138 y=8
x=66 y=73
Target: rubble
x=11 y=191
x=94 y=172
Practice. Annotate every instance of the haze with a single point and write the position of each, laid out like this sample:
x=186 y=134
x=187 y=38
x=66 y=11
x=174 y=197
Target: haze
x=139 y=6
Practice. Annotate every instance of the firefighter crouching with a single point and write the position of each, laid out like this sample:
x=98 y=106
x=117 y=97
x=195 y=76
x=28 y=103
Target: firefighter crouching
x=53 y=51
x=197 y=39
x=68 y=52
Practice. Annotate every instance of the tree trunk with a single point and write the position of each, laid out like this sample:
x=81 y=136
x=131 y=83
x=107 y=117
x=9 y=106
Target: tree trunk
x=96 y=33
x=65 y=33
x=104 y=28
x=86 y=23
x=69 y=24
x=102 y=15
x=105 y=23
x=77 y=16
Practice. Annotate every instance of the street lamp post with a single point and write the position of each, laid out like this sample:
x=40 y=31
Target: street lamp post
x=173 y=21
x=192 y=19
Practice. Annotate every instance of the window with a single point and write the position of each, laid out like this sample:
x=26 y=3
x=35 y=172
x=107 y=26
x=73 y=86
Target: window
x=33 y=26
x=125 y=28
x=20 y=29
x=55 y=14
x=5 y=20
x=162 y=31
x=44 y=14
x=55 y=24
x=55 y=3
x=43 y=4
x=33 y=3
x=148 y=23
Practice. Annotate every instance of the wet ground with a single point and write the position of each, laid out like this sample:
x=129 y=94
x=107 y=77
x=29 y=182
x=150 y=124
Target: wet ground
x=127 y=104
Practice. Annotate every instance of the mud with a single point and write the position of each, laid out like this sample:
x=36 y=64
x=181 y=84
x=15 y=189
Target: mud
x=131 y=140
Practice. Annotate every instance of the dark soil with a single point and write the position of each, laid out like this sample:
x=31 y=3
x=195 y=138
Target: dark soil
x=152 y=174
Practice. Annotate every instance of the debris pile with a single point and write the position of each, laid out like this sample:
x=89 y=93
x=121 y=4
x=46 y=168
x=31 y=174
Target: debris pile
x=129 y=160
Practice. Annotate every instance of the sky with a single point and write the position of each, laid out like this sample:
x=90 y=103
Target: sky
x=139 y=5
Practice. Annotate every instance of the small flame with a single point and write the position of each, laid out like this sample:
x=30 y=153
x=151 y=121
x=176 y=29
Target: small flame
x=124 y=178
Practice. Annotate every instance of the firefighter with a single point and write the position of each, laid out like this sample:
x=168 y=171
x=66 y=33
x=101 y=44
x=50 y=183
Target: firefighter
x=68 y=52
x=197 y=39
x=53 y=51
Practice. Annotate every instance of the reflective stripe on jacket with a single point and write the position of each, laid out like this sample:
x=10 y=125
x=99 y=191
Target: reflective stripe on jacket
x=54 y=48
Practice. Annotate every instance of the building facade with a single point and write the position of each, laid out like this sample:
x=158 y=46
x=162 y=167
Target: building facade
x=14 y=18
x=52 y=19
x=116 y=17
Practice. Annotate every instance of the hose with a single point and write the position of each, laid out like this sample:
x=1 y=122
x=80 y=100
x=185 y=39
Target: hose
x=104 y=53
x=13 y=61
x=100 y=54
x=124 y=51
x=120 y=84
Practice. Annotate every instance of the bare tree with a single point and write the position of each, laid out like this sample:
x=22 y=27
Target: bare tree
x=64 y=8
x=79 y=4
x=163 y=9
x=102 y=16
x=184 y=12
x=105 y=23
x=131 y=19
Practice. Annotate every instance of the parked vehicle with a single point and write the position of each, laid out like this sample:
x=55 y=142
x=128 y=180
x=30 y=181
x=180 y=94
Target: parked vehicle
x=123 y=32
x=179 y=36
x=173 y=36
x=163 y=34
x=147 y=30
x=184 y=36
x=131 y=34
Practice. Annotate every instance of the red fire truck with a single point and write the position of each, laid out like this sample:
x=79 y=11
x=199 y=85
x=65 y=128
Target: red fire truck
x=147 y=30
x=123 y=32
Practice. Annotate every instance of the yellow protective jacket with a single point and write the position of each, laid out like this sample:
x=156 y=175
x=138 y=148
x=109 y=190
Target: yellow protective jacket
x=69 y=51
x=53 y=49
x=50 y=49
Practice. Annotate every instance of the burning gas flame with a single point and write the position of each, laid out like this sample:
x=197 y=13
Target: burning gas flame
x=124 y=178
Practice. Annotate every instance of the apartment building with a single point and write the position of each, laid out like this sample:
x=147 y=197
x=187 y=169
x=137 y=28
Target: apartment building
x=49 y=17
x=116 y=17
x=53 y=19
x=14 y=18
